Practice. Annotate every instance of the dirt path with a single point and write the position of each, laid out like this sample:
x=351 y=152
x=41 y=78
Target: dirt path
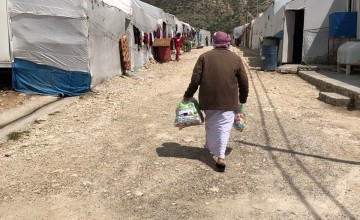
x=115 y=154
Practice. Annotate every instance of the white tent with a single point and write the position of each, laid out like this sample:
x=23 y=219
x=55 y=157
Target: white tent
x=147 y=18
x=275 y=23
x=186 y=28
x=256 y=31
x=179 y=25
x=309 y=45
x=124 y=5
x=141 y=18
x=154 y=17
x=64 y=47
x=238 y=31
x=278 y=4
x=171 y=25
x=5 y=53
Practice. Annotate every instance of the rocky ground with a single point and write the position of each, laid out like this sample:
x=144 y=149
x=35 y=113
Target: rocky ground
x=10 y=99
x=115 y=154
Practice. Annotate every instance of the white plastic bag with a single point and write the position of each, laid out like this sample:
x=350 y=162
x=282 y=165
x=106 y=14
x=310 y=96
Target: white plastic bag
x=188 y=114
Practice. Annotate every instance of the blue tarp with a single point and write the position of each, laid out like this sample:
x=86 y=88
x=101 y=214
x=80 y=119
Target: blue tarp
x=342 y=24
x=279 y=35
x=32 y=78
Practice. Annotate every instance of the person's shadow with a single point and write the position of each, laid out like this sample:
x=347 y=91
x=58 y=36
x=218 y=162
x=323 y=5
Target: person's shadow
x=172 y=149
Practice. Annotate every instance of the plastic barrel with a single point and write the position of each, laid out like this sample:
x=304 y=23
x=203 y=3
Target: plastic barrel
x=269 y=57
x=163 y=54
x=270 y=41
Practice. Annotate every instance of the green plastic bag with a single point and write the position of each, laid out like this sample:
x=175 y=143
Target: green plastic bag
x=188 y=114
x=240 y=118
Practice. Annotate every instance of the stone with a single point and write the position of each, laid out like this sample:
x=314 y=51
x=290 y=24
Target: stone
x=334 y=99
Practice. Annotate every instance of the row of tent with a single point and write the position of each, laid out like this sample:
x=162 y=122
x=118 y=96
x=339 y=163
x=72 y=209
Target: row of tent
x=308 y=31
x=67 y=47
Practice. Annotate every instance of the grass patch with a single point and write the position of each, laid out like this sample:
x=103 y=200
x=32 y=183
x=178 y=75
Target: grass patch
x=14 y=136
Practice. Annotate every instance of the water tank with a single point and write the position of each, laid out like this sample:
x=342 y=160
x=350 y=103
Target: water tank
x=349 y=53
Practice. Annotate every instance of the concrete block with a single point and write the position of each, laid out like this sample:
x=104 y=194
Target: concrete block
x=334 y=99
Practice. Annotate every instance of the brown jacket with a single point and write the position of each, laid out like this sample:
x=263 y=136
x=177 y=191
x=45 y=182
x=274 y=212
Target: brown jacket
x=222 y=79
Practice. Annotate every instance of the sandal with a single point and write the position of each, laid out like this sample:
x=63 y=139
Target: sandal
x=220 y=167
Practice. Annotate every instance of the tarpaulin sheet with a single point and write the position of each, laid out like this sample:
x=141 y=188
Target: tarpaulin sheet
x=124 y=5
x=50 y=40
x=342 y=24
x=63 y=8
x=296 y=5
x=32 y=78
x=106 y=25
x=142 y=20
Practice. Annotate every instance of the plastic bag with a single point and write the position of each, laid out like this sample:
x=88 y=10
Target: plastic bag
x=240 y=118
x=188 y=114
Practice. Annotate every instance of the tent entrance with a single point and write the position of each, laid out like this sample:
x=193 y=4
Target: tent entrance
x=293 y=36
x=5 y=79
x=164 y=30
x=298 y=36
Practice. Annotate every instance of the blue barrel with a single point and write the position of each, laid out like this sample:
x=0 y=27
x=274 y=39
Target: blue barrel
x=269 y=57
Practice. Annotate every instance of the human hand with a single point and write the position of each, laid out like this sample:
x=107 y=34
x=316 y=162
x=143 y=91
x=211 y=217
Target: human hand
x=185 y=99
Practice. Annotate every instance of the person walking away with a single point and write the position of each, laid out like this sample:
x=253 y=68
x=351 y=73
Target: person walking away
x=177 y=43
x=223 y=83
x=206 y=41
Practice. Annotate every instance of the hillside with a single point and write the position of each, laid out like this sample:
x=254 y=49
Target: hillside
x=213 y=15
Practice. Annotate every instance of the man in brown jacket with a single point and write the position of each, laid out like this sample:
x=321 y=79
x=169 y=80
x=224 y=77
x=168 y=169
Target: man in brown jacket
x=223 y=87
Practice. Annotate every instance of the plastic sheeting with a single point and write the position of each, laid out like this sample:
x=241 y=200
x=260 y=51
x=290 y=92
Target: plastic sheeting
x=186 y=27
x=349 y=53
x=278 y=4
x=32 y=78
x=237 y=32
x=49 y=40
x=142 y=20
x=171 y=25
x=315 y=46
x=63 y=8
x=256 y=30
x=106 y=25
x=71 y=35
x=151 y=10
x=179 y=24
x=124 y=5
x=5 y=55
x=139 y=54
x=147 y=17
x=342 y=24
x=316 y=27
x=296 y=5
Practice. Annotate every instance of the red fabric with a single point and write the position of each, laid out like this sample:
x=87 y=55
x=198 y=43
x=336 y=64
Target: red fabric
x=146 y=38
x=177 y=48
x=158 y=33
x=177 y=41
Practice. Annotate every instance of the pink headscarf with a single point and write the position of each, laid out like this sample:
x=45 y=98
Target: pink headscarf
x=221 y=39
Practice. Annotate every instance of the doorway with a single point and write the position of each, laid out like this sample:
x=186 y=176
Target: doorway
x=164 y=30
x=5 y=79
x=298 y=36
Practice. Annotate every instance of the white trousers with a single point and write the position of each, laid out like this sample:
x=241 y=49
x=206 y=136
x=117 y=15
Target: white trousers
x=218 y=126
